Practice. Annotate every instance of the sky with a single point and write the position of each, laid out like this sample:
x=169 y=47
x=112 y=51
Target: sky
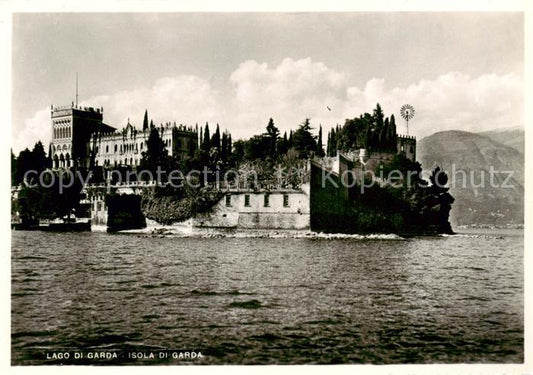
x=459 y=70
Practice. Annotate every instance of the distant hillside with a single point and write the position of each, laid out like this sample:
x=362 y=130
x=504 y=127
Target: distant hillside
x=513 y=137
x=477 y=202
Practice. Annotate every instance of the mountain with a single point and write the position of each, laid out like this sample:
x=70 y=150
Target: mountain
x=512 y=137
x=469 y=158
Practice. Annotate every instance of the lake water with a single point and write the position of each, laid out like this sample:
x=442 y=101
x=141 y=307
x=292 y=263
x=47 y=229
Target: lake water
x=282 y=300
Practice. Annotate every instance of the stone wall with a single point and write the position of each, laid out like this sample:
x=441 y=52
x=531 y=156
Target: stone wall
x=283 y=209
x=329 y=201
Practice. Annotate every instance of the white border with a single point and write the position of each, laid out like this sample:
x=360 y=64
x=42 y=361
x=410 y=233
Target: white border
x=8 y=7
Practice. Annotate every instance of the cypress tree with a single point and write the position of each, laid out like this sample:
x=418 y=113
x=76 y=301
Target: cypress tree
x=273 y=133
x=386 y=135
x=319 y=147
x=328 y=143
x=290 y=139
x=224 y=146
x=392 y=133
x=145 y=121
x=156 y=153
x=215 y=140
x=378 y=116
x=333 y=143
x=206 y=145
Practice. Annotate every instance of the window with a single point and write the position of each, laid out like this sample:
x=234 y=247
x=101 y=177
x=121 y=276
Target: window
x=285 y=200
x=401 y=148
x=115 y=148
x=107 y=149
x=247 y=200
x=228 y=200
x=411 y=150
x=267 y=200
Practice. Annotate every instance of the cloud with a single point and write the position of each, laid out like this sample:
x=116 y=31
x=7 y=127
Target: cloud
x=296 y=89
x=33 y=129
x=289 y=92
x=451 y=101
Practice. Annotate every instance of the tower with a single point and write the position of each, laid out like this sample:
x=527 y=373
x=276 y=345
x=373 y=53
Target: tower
x=72 y=127
x=407 y=146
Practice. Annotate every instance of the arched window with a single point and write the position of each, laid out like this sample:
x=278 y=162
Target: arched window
x=411 y=149
x=115 y=148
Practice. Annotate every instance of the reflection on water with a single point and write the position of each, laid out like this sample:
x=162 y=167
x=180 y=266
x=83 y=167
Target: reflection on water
x=258 y=301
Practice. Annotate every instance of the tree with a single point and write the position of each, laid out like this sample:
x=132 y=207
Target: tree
x=273 y=133
x=215 y=140
x=156 y=154
x=257 y=147
x=24 y=164
x=282 y=145
x=319 y=146
x=331 y=148
x=303 y=141
x=13 y=169
x=290 y=139
x=206 y=144
x=384 y=135
x=224 y=146
x=391 y=135
x=145 y=121
x=378 y=117
x=237 y=152
x=40 y=161
x=229 y=146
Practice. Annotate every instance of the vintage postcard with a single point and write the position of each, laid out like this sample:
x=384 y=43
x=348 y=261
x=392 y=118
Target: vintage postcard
x=268 y=188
